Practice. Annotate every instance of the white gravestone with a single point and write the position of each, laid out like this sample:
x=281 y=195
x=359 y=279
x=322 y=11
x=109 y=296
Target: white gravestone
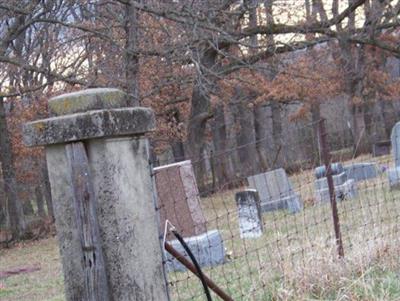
x=249 y=210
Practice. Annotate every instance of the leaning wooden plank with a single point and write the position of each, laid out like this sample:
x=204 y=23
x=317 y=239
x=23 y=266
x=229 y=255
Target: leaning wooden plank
x=96 y=287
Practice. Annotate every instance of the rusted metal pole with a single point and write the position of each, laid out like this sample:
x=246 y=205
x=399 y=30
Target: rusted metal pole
x=326 y=156
x=182 y=259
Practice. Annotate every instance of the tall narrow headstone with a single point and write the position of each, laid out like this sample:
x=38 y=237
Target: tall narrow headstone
x=249 y=211
x=178 y=198
x=179 y=203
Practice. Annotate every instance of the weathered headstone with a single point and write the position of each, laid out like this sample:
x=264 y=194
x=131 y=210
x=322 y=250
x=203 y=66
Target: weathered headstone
x=338 y=179
x=347 y=190
x=249 y=211
x=361 y=171
x=178 y=198
x=320 y=171
x=275 y=191
x=208 y=249
x=97 y=159
x=395 y=138
x=381 y=148
x=179 y=202
x=394 y=173
x=344 y=187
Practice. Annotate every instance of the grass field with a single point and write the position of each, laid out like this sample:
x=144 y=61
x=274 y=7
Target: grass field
x=295 y=258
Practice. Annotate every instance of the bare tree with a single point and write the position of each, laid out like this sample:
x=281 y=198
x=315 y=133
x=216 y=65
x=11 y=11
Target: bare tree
x=177 y=54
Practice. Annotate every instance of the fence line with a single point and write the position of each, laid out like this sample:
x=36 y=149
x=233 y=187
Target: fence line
x=295 y=238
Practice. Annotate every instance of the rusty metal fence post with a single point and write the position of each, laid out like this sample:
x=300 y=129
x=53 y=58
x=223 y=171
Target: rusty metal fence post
x=326 y=156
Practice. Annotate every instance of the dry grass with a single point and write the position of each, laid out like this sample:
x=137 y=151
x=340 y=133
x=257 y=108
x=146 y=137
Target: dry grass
x=45 y=284
x=295 y=259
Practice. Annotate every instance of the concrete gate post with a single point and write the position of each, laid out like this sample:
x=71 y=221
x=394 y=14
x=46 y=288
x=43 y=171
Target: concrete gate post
x=98 y=163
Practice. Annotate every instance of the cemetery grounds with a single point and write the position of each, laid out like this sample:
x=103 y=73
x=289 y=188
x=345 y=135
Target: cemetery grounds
x=294 y=259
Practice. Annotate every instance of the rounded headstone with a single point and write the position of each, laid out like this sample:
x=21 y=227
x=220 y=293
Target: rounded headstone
x=320 y=171
x=87 y=100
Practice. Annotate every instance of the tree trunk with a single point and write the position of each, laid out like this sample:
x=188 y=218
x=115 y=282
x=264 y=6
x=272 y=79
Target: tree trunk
x=196 y=135
x=178 y=150
x=3 y=205
x=252 y=4
x=26 y=202
x=177 y=145
x=131 y=58
x=353 y=66
x=257 y=111
x=371 y=134
x=278 y=156
x=15 y=211
x=39 y=201
x=199 y=115
x=260 y=128
x=47 y=189
x=222 y=166
x=353 y=61
x=387 y=110
x=315 y=117
x=231 y=146
x=246 y=136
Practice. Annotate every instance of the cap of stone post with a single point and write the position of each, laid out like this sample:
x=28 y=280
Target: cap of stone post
x=86 y=100
x=88 y=114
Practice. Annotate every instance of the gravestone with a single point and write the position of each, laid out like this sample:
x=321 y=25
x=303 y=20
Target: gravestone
x=344 y=187
x=249 y=211
x=338 y=179
x=178 y=198
x=320 y=171
x=179 y=202
x=347 y=190
x=395 y=138
x=394 y=173
x=207 y=248
x=275 y=191
x=361 y=171
x=381 y=148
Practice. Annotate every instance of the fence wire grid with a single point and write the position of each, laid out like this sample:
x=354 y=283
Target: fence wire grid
x=291 y=245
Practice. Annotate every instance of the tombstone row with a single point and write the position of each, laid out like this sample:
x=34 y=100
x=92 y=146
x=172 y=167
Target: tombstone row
x=180 y=203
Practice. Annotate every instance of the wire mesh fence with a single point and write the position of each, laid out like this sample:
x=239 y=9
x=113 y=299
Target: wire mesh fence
x=268 y=225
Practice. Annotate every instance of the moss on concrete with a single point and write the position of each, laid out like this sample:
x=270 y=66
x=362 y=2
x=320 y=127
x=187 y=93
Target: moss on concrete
x=86 y=100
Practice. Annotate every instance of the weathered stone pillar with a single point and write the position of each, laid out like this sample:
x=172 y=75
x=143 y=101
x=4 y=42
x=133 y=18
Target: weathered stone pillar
x=106 y=223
